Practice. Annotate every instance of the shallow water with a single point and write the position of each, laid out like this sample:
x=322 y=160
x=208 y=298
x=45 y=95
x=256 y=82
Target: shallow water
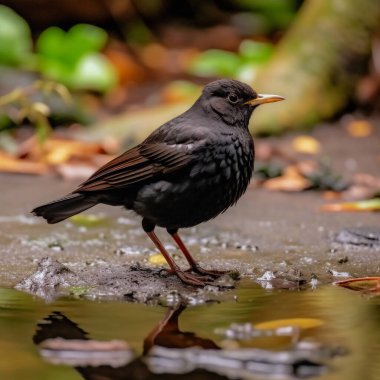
x=350 y=324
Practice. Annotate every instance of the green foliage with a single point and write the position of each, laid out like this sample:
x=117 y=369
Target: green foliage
x=276 y=13
x=19 y=105
x=216 y=62
x=72 y=58
x=15 y=37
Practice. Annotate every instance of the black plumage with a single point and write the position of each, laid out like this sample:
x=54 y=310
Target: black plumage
x=186 y=172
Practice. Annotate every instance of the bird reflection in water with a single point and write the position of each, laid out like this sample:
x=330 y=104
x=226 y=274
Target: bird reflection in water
x=169 y=353
x=166 y=334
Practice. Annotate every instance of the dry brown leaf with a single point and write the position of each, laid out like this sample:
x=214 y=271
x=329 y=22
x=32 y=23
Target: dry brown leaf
x=10 y=164
x=291 y=180
x=58 y=150
x=359 y=128
x=330 y=195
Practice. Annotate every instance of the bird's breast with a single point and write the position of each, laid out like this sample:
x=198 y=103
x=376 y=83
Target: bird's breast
x=224 y=171
x=219 y=175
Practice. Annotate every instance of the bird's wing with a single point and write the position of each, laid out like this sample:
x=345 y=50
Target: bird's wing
x=137 y=165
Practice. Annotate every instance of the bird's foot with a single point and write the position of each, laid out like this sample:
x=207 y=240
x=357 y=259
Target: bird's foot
x=207 y=272
x=194 y=279
x=189 y=278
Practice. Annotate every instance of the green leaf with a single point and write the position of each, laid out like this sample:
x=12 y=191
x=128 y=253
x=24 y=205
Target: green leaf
x=216 y=62
x=87 y=38
x=72 y=59
x=51 y=43
x=94 y=72
x=255 y=52
x=15 y=38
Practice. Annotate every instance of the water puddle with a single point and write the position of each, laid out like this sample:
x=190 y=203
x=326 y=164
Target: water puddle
x=326 y=333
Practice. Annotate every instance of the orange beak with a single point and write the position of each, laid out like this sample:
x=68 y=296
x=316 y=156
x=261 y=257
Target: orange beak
x=264 y=98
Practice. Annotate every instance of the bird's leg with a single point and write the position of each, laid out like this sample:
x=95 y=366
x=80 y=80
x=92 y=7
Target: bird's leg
x=194 y=266
x=185 y=277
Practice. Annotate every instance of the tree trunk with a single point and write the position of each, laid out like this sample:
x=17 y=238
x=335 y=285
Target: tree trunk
x=317 y=64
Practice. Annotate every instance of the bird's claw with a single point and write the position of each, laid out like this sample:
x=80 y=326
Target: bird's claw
x=187 y=277
x=208 y=272
x=193 y=279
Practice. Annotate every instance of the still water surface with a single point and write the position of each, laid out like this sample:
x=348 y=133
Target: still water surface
x=349 y=320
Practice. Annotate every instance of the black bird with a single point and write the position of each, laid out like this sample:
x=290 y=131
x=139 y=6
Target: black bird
x=186 y=172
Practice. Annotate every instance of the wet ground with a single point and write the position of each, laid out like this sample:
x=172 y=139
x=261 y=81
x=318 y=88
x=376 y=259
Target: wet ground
x=103 y=276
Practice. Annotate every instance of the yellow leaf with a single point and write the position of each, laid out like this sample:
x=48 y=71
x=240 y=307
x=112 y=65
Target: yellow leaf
x=366 y=205
x=302 y=323
x=359 y=128
x=306 y=144
x=157 y=259
x=88 y=220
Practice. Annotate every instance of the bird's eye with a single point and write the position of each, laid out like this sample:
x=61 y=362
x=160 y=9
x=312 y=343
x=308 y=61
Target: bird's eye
x=233 y=98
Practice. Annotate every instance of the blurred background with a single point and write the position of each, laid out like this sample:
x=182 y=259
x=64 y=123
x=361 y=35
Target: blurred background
x=81 y=81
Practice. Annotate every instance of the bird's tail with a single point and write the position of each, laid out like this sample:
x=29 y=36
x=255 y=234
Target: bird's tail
x=63 y=208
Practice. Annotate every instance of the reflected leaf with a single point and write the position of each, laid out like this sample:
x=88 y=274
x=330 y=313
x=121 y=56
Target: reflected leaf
x=366 y=205
x=301 y=323
x=363 y=284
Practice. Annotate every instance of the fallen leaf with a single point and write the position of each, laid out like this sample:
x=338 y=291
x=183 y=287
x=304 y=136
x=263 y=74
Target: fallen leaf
x=157 y=259
x=291 y=180
x=359 y=128
x=366 y=205
x=306 y=144
x=10 y=164
x=330 y=195
x=363 y=284
x=301 y=323
x=56 y=150
x=88 y=220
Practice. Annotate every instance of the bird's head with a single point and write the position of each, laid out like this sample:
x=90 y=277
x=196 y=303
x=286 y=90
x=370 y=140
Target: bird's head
x=232 y=101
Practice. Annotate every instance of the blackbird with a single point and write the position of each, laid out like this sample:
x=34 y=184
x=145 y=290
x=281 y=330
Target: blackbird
x=186 y=172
